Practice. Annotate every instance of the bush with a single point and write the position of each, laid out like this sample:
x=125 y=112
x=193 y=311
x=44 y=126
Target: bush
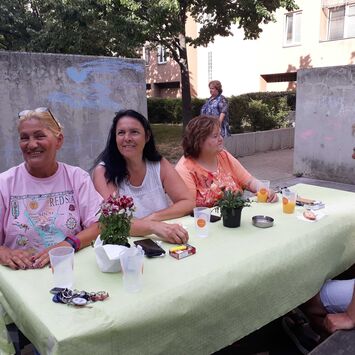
x=249 y=112
x=170 y=110
x=260 y=111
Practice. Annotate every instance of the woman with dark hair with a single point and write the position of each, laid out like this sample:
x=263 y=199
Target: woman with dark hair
x=217 y=106
x=131 y=165
x=207 y=168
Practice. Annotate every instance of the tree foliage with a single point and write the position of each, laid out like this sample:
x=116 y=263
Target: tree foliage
x=119 y=27
x=65 y=26
x=164 y=21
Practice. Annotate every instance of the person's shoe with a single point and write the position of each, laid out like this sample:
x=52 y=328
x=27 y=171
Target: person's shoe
x=297 y=327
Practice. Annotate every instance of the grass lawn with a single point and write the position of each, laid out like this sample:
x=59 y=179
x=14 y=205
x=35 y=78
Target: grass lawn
x=168 y=140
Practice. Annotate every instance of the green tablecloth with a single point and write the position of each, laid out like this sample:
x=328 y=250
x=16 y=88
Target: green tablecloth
x=239 y=280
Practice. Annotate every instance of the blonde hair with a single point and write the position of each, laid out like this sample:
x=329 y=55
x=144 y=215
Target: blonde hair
x=217 y=85
x=46 y=118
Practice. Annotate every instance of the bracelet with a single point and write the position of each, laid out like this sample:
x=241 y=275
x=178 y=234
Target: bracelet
x=73 y=241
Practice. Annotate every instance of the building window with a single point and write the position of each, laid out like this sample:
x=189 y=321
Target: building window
x=162 y=55
x=146 y=55
x=350 y=21
x=209 y=66
x=341 y=21
x=292 y=35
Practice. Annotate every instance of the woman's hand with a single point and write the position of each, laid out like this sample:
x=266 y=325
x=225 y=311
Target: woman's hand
x=172 y=233
x=15 y=258
x=41 y=259
x=272 y=196
x=338 y=321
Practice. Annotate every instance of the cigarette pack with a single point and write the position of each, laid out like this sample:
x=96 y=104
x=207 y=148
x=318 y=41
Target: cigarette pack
x=182 y=251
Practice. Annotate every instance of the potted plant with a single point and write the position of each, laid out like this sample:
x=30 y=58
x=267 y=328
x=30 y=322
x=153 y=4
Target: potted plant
x=115 y=223
x=231 y=204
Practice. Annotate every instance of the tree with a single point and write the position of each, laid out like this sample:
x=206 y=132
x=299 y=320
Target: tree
x=163 y=22
x=120 y=27
x=66 y=26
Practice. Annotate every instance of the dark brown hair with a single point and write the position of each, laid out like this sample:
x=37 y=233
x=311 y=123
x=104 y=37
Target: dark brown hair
x=196 y=132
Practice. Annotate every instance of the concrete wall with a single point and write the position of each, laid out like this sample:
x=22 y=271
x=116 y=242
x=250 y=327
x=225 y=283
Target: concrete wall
x=254 y=142
x=83 y=92
x=325 y=123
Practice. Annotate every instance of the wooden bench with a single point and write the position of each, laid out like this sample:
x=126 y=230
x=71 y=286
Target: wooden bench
x=341 y=342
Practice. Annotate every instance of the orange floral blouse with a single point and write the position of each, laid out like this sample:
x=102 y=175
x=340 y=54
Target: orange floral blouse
x=207 y=186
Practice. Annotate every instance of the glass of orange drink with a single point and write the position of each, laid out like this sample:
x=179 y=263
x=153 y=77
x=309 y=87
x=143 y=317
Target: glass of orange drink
x=262 y=190
x=288 y=201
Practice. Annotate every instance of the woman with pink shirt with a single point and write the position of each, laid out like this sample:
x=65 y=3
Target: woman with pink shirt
x=44 y=203
x=207 y=168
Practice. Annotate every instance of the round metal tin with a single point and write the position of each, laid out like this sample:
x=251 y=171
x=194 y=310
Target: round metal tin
x=262 y=221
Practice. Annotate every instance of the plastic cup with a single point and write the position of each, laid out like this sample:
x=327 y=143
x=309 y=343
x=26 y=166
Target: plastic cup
x=202 y=221
x=62 y=263
x=263 y=190
x=132 y=267
x=288 y=201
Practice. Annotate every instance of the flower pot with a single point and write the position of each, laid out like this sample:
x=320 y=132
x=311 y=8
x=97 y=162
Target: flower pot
x=231 y=217
x=108 y=256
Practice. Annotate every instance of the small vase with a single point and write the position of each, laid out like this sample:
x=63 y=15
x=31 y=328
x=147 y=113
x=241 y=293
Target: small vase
x=231 y=217
x=108 y=256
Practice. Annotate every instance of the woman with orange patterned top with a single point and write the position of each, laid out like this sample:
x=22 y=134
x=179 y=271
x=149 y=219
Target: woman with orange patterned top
x=207 y=168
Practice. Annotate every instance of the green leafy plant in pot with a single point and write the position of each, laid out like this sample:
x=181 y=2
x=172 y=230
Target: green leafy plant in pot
x=231 y=204
x=115 y=220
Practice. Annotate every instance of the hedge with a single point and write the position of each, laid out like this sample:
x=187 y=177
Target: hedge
x=248 y=112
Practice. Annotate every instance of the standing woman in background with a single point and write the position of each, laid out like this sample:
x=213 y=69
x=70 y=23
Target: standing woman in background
x=217 y=106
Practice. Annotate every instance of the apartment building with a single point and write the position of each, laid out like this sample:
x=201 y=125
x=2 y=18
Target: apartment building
x=319 y=33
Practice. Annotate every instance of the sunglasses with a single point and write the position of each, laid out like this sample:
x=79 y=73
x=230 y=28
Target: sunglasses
x=39 y=110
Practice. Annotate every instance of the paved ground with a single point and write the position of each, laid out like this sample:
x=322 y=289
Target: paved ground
x=277 y=167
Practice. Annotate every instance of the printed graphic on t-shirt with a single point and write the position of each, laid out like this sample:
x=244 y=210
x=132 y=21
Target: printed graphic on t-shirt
x=42 y=220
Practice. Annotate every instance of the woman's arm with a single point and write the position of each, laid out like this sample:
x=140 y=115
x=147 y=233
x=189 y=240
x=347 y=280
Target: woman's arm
x=223 y=108
x=102 y=187
x=15 y=258
x=183 y=202
x=246 y=179
x=338 y=321
x=86 y=236
x=170 y=232
x=221 y=117
x=253 y=187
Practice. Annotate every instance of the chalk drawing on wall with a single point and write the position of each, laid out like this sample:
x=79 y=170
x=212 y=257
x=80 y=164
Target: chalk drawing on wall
x=86 y=93
x=307 y=134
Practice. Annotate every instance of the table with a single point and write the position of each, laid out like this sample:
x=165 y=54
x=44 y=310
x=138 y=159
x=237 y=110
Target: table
x=239 y=280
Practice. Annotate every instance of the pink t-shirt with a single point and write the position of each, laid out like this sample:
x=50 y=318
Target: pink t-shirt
x=36 y=213
x=207 y=186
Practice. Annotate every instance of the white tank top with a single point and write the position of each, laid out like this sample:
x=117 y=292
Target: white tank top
x=148 y=197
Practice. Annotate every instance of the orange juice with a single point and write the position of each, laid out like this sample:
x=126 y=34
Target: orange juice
x=262 y=195
x=288 y=206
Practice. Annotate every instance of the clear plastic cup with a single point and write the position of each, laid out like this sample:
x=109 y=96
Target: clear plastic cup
x=62 y=263
x=263 y=190
x=132 y=267
x=202 y=220
x=288 y=201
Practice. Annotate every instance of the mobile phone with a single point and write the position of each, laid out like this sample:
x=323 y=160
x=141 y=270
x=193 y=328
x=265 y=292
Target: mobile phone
x=150 y=248
x=56 y=290
x=214 y=218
